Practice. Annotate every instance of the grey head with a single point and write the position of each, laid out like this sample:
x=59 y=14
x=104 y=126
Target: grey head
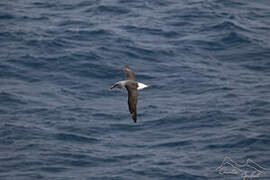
x=119 y=85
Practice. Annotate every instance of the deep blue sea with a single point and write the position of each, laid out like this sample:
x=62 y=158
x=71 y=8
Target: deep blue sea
x=208 y=62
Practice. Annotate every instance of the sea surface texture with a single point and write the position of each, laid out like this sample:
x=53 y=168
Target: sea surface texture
x=208 y=62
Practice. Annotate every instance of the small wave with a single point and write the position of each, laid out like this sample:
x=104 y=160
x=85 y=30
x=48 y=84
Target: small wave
x=74 y=137
x=107 y=9
x=228 y=26
x=9 y=99
x=112 y=9
x=150 y=31
x=172 y=144
x=235 y=38
x=6 y=16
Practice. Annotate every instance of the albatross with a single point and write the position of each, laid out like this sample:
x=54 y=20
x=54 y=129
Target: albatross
x=132 y=87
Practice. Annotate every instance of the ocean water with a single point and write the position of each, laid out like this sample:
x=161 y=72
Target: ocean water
x=207 y=60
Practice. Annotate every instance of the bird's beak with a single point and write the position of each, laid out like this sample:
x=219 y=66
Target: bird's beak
x=113 y=86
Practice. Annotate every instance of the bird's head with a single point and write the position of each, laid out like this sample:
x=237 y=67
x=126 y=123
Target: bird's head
x=117 y=85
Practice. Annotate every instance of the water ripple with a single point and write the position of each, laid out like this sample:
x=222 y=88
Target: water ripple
x=207 y=62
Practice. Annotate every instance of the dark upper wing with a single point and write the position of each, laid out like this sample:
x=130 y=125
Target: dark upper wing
x=132 y=99
x=129 y=74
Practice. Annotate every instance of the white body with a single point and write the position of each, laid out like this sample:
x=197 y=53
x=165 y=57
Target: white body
x=141 y=86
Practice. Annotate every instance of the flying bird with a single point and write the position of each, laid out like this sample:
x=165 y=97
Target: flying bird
x=132 y=87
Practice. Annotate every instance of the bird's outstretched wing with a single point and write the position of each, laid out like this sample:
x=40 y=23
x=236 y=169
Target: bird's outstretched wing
x=132 y=99
x=129 y=74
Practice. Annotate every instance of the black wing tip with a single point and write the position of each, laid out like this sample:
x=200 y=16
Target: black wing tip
x=134 y=117
x=129 y=73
